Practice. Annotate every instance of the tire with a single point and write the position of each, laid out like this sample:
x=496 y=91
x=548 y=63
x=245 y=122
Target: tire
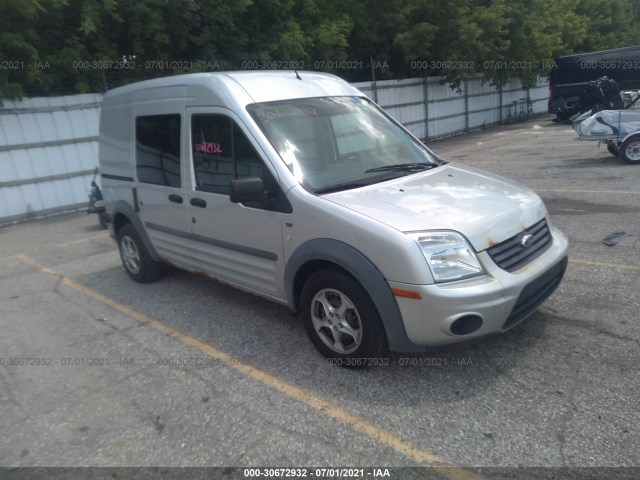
x=630 y=150
x=135 y=258
x=351 y=334
x=613 y=149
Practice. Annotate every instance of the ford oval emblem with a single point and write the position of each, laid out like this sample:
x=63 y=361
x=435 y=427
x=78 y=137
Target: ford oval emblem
x=526 y=241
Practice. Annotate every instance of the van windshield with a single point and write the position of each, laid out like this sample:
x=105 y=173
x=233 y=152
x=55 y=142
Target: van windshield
x=337 y=143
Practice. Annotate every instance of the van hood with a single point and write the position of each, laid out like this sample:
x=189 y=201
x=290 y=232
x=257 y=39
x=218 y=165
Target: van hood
x=485 y=208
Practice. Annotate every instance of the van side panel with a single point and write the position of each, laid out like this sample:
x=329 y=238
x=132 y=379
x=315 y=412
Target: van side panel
x=114 y=155
x=114 y=150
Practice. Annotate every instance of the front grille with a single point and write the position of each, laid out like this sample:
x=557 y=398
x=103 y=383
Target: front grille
x=511 y=255
x=534 y=294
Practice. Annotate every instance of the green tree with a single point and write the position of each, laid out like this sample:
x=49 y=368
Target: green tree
x=375 y=26
x=73 y=31
x=19 y=43
x=467 y=34
x=218 y=34
x=611 y=24
x=540 y=30
x=325 y=27
x=299 y=30
x=62 y=46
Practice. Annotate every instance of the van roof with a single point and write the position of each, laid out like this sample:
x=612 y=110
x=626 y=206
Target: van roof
x=257 y=86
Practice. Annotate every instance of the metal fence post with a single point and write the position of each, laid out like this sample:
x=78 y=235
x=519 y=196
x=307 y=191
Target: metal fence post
x=425 y=96
x=466 y=105
x=500 y=106
x=374 y=88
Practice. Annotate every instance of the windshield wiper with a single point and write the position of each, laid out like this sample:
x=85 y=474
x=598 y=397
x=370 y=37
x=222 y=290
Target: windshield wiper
x=403 y=167
x=341 y=186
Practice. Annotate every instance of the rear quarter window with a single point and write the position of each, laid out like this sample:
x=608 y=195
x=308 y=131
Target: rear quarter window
x=158 y=150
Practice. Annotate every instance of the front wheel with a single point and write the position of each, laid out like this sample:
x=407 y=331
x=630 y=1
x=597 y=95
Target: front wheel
x=630 y=150
x=135 y=258
x=341 y=319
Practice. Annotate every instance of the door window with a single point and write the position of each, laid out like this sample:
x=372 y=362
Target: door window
x=222 y=152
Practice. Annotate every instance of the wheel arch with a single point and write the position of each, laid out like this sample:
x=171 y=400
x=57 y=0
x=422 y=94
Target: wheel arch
x=629 y=136
x=631 y=139
x=123 y=213
x=319 y=253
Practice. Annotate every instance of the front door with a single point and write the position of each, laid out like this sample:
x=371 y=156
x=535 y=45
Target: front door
x=237 y=243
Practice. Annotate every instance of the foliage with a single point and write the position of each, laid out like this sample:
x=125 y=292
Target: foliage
x=72 y=46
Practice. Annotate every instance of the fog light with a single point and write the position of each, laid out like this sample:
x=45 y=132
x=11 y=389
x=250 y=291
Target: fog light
x=466 y=325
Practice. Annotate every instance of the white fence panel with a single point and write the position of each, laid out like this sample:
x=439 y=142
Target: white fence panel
x=48 y=150
x=432 y=109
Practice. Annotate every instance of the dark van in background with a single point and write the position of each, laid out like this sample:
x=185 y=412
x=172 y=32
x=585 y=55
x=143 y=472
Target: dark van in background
x=571 y=73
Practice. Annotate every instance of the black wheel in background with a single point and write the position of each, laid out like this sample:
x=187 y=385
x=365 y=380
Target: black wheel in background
x=630 y=150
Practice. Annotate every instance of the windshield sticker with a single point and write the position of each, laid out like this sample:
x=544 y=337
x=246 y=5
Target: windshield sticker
x=290 y=112
x=208 y=147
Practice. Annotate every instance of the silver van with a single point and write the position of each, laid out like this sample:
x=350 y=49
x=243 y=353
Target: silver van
x=294 y=186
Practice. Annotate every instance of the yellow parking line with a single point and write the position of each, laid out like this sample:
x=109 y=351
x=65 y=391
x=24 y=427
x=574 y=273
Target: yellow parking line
x=82 y=240
x=604 y=264
x=384 y=437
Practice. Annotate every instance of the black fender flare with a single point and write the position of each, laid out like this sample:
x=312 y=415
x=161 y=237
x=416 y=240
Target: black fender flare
x=364 y=271
x=122 y=207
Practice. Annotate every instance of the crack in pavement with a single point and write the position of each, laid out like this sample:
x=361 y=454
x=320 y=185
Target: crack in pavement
x=6 y=384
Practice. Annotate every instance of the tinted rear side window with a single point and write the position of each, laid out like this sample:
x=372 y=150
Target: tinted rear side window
x=158 y=149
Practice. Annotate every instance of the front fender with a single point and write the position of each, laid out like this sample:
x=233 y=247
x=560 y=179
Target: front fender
x=632 y=134
x=364 y=271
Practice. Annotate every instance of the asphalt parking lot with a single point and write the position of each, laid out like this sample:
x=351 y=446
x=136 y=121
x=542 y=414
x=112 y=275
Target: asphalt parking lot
x=96 y=370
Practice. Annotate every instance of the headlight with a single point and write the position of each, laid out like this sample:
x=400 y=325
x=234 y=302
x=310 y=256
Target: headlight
x=448 y=254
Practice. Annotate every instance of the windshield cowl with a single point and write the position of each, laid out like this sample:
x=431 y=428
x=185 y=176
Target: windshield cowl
x=403 y=167
x=340 y=187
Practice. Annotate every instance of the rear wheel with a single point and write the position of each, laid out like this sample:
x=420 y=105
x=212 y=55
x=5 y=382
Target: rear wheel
x=103 y=219
x=630 y=150
x=135 y=258
x=341 y=319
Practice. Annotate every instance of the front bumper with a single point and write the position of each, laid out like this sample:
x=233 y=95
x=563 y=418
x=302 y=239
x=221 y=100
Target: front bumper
x=500 y=299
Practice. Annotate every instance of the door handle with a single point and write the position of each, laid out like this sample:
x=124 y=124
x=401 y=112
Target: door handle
x=175 y=198
x=198 y=202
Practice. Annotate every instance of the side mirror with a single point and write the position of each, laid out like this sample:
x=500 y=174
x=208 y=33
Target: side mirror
x=246 y=190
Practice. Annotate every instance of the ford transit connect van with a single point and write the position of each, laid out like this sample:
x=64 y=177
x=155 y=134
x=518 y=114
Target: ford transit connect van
x=294 y=186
